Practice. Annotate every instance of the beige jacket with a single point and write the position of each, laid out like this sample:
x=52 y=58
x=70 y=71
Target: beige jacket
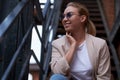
x=98 y=54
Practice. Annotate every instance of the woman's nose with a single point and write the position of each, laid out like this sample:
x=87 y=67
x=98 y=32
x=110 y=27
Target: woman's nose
x=64 y=19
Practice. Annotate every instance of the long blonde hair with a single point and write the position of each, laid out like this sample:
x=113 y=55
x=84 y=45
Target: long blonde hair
x=90 y=27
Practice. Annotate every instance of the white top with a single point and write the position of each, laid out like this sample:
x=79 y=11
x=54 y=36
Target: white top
x=81 y=68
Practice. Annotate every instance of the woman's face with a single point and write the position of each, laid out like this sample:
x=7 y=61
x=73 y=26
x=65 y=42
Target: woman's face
x=71 y=19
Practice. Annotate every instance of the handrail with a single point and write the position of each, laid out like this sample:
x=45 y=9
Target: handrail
x=114 y=53
x=5 y=25
x=117 y=7
x=47 y=6
x=49 y=23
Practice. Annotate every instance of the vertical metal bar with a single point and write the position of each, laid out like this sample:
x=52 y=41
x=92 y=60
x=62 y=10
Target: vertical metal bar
x=9 y=25
x=47 y=60
x=25 y=65
x=115 y=27
x=47 y=6
x=16 y=54
x=52 y=27
x=41 y=18
x=117 y=7
x=39 y=10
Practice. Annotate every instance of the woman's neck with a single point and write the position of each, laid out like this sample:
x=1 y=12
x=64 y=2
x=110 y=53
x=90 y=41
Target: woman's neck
x=79 y=36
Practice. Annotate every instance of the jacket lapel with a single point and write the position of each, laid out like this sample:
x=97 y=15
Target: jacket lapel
x=66 y=46
x=91 y=52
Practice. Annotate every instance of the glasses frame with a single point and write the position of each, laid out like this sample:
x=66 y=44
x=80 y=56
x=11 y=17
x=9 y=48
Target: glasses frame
x=68 y=15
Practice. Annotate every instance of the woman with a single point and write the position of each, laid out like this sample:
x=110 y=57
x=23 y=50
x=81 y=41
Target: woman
x=79 y=55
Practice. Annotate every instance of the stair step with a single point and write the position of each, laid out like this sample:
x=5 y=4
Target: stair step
x=91 y=6
x=96 y=19
x=95 y=15
x=94 y=10
x=87 y=2
x=101 y=32
x=99 y=26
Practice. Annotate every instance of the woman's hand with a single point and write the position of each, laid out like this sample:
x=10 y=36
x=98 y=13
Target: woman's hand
x=73 y=45
x=71 y=40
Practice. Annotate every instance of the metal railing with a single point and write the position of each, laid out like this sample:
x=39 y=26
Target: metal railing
x=110 y=37
x=16 y=30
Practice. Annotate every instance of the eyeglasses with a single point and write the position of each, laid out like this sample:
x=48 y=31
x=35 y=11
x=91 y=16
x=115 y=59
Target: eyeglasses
x=68 y=15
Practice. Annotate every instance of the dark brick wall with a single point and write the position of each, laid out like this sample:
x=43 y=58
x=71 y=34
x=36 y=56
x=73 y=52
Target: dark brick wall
x=109 y=9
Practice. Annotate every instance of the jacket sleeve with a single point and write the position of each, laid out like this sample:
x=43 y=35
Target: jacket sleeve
x=58 y=62
x=104 y=71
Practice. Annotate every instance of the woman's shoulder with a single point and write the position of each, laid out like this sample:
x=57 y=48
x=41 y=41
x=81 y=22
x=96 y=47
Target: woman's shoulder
x=97 y=41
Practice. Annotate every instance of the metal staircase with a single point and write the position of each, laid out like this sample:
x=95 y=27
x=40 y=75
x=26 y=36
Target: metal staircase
x=17 y=19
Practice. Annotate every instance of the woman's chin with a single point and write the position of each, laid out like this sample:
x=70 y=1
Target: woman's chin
x=67 y=30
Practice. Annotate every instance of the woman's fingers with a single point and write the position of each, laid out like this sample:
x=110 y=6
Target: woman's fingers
x=70 y=38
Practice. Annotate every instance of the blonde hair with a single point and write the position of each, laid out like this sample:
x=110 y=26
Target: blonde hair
x=90 y=27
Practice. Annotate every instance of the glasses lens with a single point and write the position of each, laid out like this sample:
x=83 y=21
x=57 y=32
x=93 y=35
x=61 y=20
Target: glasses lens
x=69 y=14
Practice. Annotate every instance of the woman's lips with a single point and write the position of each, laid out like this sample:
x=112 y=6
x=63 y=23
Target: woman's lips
x=66 y=25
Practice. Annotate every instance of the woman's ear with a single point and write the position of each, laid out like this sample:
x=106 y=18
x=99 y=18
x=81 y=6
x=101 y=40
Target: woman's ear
x=82 y=18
